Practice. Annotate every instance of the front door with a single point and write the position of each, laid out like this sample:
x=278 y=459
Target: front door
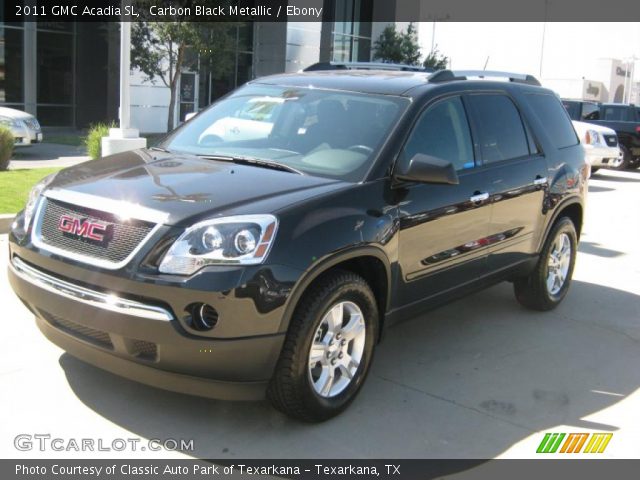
x=443 y=227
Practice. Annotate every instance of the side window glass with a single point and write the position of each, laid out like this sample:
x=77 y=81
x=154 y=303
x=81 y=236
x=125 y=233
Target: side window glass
x=590 y=112
x=501 y=132
x=573 y=108
x=442 y=131
x=553 y=119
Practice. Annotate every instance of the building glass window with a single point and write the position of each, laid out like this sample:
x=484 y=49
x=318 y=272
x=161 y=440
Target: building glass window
x=214 y=85
x=55 y=56
x=352 y=31
x=11 y=67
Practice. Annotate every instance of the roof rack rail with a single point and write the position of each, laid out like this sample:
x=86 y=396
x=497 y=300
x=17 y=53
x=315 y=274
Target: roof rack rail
x=366 y=66
x=449 y=75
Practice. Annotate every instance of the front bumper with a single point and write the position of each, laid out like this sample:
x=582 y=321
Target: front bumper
x=603 y=156
x=143 y=340
x=24 y=135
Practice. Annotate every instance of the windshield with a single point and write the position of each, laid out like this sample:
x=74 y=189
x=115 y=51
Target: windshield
x=318 y=132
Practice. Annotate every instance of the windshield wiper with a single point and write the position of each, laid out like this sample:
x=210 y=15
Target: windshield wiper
x=253 y=161
x=159 y=149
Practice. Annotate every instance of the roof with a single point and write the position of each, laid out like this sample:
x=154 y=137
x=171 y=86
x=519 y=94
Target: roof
x=390 y=82
x=385 y=82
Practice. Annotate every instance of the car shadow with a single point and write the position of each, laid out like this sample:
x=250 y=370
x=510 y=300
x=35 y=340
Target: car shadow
x=611 y=176
x=467 y=380
x=597 y=189
x=592 y=248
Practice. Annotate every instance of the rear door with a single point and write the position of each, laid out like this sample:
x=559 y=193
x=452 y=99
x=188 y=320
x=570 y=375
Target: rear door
x=442 y=227
x=516 y=174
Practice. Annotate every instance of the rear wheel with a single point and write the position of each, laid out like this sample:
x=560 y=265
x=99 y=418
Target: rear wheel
x=328 y=349
x=546 y=286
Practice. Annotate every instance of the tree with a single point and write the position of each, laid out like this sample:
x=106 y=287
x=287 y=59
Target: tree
x=163 y=49
x=395 y=46
x=436 y=60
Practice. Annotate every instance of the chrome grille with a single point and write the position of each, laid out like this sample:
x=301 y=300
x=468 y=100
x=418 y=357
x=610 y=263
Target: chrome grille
x=612 y=140
x=32 y=123
x=121 y=238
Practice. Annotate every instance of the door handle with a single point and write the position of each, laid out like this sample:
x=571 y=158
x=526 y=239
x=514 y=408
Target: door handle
x=479 y=197
x=540 y=180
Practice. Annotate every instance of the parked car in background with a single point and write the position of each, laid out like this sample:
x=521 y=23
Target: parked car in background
x=226 y=268
x=24 y=126
x=623 y=119
x=600 y=145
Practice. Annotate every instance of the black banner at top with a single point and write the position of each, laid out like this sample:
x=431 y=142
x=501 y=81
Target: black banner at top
x=318 y=10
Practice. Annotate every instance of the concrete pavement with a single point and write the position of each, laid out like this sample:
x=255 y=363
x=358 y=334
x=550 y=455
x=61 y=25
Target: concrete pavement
x=478 y=378
x=48 y=155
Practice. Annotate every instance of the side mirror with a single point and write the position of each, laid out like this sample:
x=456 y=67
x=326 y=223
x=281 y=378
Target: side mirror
x=427 y=169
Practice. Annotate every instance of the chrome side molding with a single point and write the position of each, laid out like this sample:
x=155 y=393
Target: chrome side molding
x=96 y=299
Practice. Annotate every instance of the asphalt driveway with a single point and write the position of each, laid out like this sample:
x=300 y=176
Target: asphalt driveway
x=478 y=378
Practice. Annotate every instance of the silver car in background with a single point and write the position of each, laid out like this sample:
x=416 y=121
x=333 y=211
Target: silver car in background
x=24 y=126
x=600 y=144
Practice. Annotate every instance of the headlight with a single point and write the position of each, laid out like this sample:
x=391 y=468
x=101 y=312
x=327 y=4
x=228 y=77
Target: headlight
x=241 y=239
x=34 y=198
x=592 y=137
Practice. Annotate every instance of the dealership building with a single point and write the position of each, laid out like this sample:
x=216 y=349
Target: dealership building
x=67 y=74
x=607 y=80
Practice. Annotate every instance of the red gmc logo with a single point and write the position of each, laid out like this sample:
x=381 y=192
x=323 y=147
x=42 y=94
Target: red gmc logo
x=85 y=229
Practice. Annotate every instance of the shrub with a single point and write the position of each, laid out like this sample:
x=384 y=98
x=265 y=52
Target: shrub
x=6 y=147
x=94 y=138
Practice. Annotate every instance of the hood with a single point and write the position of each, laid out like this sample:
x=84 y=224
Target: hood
x=183 y=188
x=582 y=127
x=13 y=113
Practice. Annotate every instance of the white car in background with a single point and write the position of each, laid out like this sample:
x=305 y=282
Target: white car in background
x=24 y=126
x=600 y=144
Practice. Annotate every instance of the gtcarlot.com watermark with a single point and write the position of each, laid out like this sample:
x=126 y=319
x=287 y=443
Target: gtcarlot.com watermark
x=45 y=442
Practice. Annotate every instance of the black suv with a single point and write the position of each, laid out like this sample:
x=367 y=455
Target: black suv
x=624 y=119
x=267 y=243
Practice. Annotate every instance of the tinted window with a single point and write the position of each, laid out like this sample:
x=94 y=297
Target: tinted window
x=573 y=108
x=443 y=132
x=619 y=114
x=554 y=119
x=590 y=111
x=500 y=128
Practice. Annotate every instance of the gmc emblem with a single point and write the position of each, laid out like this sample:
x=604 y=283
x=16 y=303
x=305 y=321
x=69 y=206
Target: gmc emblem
x=82 y=228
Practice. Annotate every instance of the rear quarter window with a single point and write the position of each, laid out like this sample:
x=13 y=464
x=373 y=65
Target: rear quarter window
x=554 y=119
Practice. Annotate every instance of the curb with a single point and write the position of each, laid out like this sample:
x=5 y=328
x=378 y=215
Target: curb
x=6 y=219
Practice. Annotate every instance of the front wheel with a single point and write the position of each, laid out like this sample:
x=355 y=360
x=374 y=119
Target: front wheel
x=547 y=285
x=627 y=159
x=328 y=349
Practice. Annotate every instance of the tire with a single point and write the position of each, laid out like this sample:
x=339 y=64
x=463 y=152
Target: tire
x=296 y=387
x=534 y=291
x=627 y=159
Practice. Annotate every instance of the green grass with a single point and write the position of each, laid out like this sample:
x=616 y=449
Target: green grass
x=15 y=186
x=75 y=140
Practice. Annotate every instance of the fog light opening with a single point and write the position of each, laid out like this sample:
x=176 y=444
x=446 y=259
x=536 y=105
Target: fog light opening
x=202 y=317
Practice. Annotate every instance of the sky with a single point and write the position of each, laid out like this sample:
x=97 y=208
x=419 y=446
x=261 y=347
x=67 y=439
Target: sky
x=570 y=49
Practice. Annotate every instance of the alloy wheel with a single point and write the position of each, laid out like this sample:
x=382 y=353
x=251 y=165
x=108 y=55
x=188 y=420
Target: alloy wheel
x=337 y=349
x=558 y=263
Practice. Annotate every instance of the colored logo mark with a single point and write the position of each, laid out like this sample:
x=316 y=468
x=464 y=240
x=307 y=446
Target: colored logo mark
x=574 y=443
